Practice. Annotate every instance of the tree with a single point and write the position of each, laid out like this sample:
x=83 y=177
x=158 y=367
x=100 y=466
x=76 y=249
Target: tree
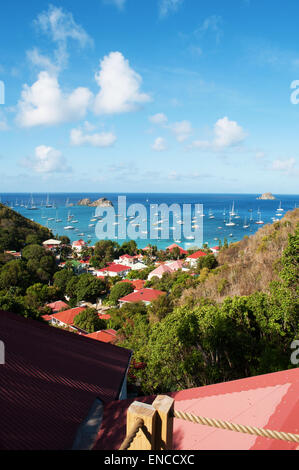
x=88 y=320
x=129 y=248
x=120 y=290
x=14 y=273
x=61 y=278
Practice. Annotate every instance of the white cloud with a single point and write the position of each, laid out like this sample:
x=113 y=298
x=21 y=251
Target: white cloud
x=284 y=166
x=103 y=139
x=212 y=23
x=61 y=27
x=3 y=122
x=120 y=86
x=159 y=145
x=118 y=3
x=228 y=133
x=44 y=103
x=182 y=130
x=46 y=160
x=168 y=6
x=158 y=118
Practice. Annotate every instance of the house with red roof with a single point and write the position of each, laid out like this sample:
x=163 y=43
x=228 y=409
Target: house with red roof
x=192 y=259
x=66 y=317
x=115 y=270
x=57 y=306
x=145 y=295
x=106 y=336
x=174 y=245
x=78 y=245
x=51 y=244
x=215 y=249
x=137 y=284
x=55 y=385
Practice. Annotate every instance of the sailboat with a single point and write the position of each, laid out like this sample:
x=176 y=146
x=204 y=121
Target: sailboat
x=245 y=223
x=57 y=219
x=259 y=222
x=32 y=206
x=211 y=216
x=279 y=208
x=232 y=212
x=48 y=202
x=230 y=223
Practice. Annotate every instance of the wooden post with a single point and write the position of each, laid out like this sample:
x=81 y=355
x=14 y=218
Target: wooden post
x=146 y=436
x=164 y=434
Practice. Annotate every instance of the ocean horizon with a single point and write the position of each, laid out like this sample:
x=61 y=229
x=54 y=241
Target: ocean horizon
x=216 y=207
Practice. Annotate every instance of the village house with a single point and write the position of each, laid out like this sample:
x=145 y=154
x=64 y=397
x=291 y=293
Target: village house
x=57 y=306
x=15 y=254
x=51 y=244
x=144 y=295
x=174 y=245
x=106 y=336
x=78 y=245
x=192 y=259
x=114 y=270
x=65 y=319
x=168 y=267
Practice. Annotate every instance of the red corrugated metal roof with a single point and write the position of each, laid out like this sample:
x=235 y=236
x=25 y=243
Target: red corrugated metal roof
x=57 y=306
x=67 y=316
x=106 y=336
x=267 y=401
x=50 y=380
x=146 y=295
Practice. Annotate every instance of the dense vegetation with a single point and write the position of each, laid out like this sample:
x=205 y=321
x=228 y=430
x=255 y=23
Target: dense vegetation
x=197 y=340
x=16 y=231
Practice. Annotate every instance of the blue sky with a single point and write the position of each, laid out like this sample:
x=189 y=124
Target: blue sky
x=149 y=96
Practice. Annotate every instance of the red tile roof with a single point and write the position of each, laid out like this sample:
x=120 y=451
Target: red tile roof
x=145 y=295
x=67 y=316
x=267 y=401
x=196 y=255
x=49 y=382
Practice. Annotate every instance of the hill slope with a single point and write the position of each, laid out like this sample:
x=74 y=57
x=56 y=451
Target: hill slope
x=249 y=265
x=16 y=230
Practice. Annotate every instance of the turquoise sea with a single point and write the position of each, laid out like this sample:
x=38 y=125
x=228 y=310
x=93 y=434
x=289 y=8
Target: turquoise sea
x=216 y=208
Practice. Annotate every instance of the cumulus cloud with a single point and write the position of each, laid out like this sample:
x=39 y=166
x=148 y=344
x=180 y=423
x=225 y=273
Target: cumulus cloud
x=226 y=134
x=44 y=103
x=159 y=145
x=158 y=118
x=102 y=139
x=182 y=130
x=168 y=6
x=284 y=166
x=46 y=160
x=119 y=86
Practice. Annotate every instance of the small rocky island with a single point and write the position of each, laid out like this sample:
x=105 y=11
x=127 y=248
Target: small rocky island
x=266 y=196
x=101 y=202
